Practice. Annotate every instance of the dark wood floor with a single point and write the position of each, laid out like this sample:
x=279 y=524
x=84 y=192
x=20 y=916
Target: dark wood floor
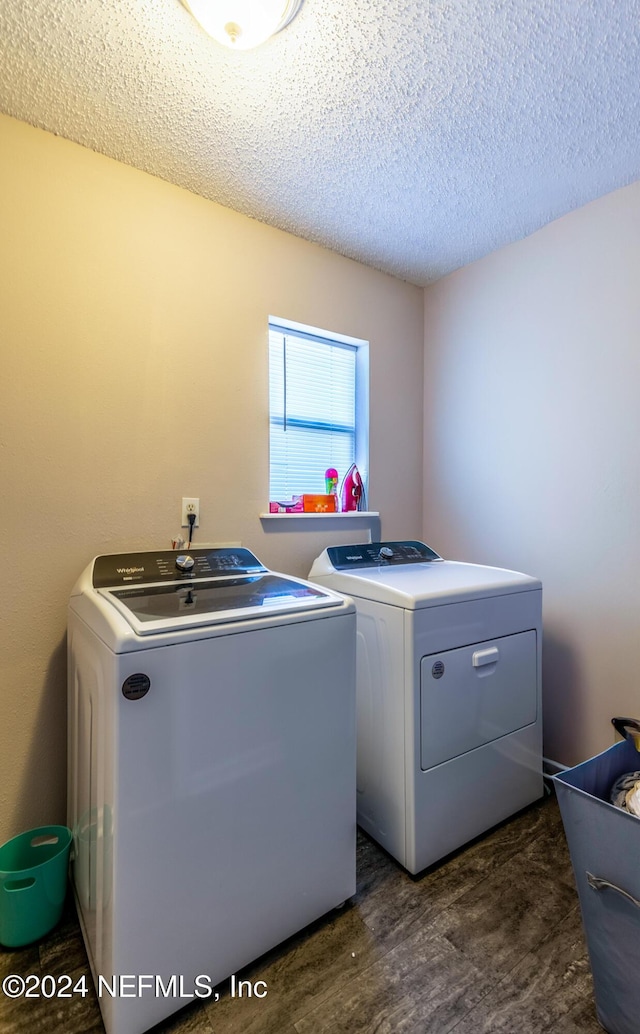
x=488 y=942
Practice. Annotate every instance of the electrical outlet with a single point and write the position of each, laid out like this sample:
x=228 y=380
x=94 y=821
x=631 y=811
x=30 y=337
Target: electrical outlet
x=190 y=506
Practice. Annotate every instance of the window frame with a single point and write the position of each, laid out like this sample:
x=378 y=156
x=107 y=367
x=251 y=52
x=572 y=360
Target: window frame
x=361 y=389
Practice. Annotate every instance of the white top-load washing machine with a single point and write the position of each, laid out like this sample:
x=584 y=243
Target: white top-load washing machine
x=449 y=720
x=211 y=769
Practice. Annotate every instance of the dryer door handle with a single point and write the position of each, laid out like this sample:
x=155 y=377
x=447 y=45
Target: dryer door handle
x=481 y=657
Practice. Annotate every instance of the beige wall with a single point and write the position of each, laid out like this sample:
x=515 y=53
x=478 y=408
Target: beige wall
x=532 y=447
x=134 y=371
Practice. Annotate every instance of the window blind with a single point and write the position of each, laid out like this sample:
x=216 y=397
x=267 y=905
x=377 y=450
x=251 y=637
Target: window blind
x=312 y=412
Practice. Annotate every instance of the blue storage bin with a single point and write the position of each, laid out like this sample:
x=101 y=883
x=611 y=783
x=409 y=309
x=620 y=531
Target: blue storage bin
x=604 y=844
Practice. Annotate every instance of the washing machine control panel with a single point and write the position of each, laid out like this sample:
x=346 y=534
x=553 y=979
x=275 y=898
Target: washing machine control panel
x=380 y=554
x=170 y=566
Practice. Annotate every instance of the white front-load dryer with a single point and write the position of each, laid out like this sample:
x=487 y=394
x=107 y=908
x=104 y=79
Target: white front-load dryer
x=211 y=769
x=449 y=714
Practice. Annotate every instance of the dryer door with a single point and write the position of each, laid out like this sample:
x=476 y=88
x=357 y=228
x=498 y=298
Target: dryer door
x=476 y=694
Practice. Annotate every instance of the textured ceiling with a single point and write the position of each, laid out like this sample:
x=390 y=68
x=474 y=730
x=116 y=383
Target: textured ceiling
x=412 y=135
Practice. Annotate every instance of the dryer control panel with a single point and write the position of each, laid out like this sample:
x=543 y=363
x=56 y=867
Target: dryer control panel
x=170 y=565
x=380 y=554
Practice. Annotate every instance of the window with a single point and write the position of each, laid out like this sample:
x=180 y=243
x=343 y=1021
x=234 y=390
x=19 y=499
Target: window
x=318 y=408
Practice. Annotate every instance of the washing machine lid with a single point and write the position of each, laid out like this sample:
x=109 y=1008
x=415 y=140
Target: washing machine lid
x=410 y=577
x=167 y=592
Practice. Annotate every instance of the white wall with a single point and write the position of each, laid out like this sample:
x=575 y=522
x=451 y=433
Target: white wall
x=134 y=371
x=532 y=447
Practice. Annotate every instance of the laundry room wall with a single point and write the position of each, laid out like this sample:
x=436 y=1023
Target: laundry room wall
x=532 y=447
x=134 y=372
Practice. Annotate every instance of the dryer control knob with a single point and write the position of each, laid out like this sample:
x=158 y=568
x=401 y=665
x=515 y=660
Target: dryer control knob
x=184 y=562
x=386 y=552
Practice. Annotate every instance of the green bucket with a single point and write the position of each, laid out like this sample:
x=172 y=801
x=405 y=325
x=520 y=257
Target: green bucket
x=33 y=884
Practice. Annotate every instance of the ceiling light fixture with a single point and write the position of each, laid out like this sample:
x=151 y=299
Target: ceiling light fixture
x=242 y=24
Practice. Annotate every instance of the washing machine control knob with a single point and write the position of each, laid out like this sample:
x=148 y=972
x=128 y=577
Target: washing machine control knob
x=386 y=552
x=184 y=562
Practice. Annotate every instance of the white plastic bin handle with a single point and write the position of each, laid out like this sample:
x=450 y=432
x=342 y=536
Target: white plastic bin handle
x=481 y=657
x=597 y=883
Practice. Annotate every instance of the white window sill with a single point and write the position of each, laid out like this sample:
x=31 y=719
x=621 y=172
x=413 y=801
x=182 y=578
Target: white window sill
x=349 y=515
